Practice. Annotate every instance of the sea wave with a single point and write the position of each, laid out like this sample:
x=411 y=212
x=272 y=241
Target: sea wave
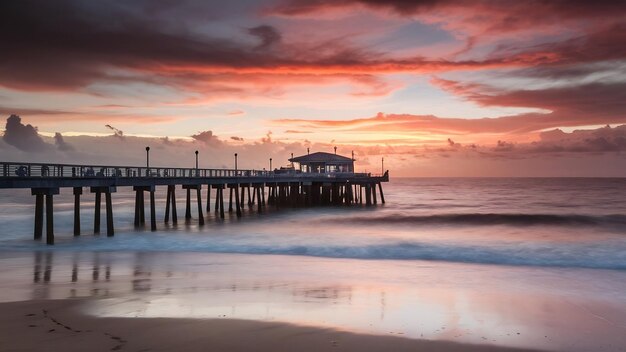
x=492 y=219
x=572 y=255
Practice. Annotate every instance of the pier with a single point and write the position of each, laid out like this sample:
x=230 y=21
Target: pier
x=258 y=189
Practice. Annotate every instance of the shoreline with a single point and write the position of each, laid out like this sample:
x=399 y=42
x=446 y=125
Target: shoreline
x=60 y=325
x=466 y=305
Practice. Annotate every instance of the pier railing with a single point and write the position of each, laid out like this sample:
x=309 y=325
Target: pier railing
x=37 y=170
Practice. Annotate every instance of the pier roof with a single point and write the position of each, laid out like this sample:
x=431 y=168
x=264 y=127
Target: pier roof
x=321 y=157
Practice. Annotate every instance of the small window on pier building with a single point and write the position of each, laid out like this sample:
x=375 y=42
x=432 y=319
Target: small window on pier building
x=321 y=162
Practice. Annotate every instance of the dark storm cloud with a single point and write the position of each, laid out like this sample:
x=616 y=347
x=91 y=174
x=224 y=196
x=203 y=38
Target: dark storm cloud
x=23 y=137
x=68 y=44
x=71 y=44
x=536 y=10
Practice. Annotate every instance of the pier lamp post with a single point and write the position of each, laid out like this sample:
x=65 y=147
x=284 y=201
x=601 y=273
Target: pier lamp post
x=235 y=164
x=271 y=165
x=292 y=160
x=147 y=157
x=382 y=165
x=197 y=174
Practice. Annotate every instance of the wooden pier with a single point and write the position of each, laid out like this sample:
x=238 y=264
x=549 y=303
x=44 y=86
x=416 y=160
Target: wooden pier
x=252 y=187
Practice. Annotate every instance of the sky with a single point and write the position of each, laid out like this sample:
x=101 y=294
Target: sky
x=435 y=87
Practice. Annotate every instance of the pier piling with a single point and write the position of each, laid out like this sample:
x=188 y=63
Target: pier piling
x=168 y=200
x=78 y=191
x=382 y=196
x=96 y=217
x=199 y=198
x=152 y=212
x=208 y=199
x=238 y=205
x=221 y=189
x=38 y=216
x=109 y=206
x=188 y=204
x=49 y=219
x=109 y=209
x=39 y=194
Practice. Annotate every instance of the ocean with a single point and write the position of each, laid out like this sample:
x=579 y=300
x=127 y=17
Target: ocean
x=523 y=262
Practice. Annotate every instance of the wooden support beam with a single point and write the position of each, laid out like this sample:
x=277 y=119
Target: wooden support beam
x=230 y=200
x=221 y=202
x=217 y=199
x=152 y=212
x=77 y=192
x=188 y=205
x=173 y=199
x=373 y=188
x=38 y=216
x=137 y=204
x=199 y=198
x=49 y=219
x=237 y=204
x=360 y=194
x=262 y=195
x=250 y=200
x=258 y=198
x=109 y=206
x=142 y=209
x=382 y=196
x=96 y=217
x=168 y=200
x=208 y=199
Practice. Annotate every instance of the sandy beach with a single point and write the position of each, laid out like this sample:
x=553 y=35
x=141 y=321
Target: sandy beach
x=198 y=301
x=58 y=325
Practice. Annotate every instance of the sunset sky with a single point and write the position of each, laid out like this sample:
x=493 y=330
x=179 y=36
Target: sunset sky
x=437 y=88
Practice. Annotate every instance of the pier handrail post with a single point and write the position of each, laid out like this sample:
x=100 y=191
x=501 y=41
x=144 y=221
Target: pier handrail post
x=147 y=161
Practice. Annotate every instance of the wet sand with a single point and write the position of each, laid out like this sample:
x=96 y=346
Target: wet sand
x=59 y=325
x=144 y=301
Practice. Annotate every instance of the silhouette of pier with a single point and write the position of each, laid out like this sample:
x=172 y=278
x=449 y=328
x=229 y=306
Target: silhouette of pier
x=277 y=188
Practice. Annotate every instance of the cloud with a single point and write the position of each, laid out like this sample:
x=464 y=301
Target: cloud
x=504 y=146
x=297 y=131
x=208 y=138
x=4 y=110
x=238 y=139
x=573 y=105
x=407 y=124
x=69 y=45
x=504 y=15
x=453 y=144
x=23 y=137
x=236 y=112
x=116 y=132
x=61 y=144
x=605 y=139
x=268 y=36
x=268 y=138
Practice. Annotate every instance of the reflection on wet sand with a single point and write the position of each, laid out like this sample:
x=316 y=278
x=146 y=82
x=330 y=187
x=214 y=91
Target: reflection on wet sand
x=514 y=307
